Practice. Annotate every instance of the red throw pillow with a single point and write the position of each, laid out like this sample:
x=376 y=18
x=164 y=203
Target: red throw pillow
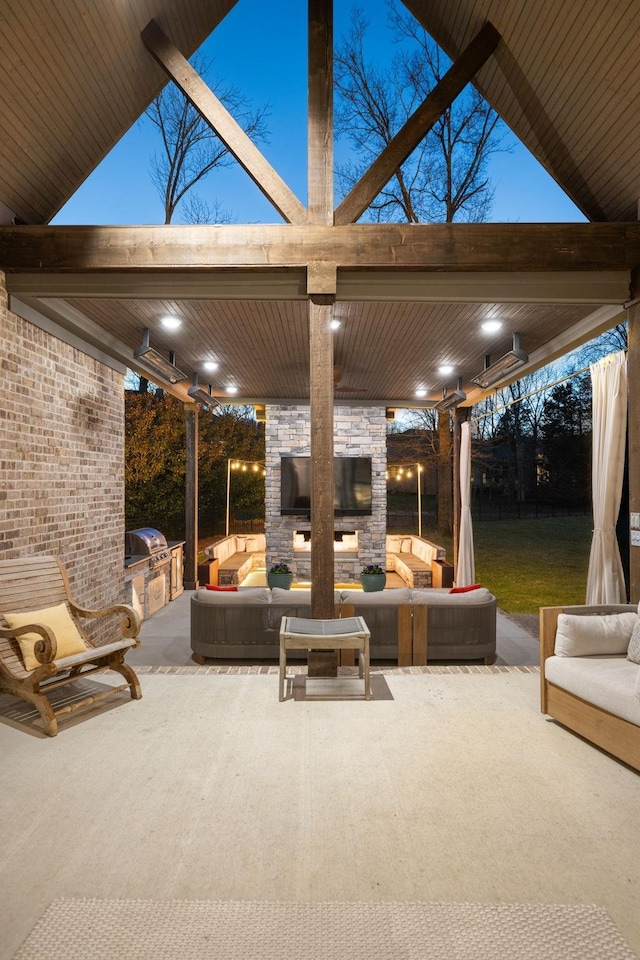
x=473 y=586
x=210 y=586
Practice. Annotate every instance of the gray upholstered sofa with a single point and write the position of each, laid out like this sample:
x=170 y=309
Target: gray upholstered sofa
x=407 y=626
x=587 y=682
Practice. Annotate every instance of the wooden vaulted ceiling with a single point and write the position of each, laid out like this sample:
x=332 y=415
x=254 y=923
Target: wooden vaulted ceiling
x=75 y=76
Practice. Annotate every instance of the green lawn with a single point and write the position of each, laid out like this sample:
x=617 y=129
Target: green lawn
x=529 y=564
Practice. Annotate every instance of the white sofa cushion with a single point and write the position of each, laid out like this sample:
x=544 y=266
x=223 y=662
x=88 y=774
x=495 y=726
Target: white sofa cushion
x=297 y=597
x=633 y=650
x=594 y=635
x=249 y=596
x=608 y=682
x=377 y=598
x=394 y=544
x=444 y=597
x=254 y=543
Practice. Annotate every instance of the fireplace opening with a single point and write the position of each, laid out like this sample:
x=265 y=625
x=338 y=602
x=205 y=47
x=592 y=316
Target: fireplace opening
x=344 y=541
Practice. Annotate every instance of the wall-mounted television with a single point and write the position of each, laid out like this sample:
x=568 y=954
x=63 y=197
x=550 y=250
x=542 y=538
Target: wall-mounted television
x=351 y=486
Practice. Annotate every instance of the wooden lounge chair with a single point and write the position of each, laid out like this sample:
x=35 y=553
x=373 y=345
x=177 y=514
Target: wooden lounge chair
x=34 y=584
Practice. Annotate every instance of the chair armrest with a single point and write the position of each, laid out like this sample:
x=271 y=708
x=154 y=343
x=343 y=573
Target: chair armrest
x=548 y=626
x=44 y=650
x=131 y=621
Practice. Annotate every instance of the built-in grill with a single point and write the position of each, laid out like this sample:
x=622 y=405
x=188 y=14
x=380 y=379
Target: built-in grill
x=147 y=542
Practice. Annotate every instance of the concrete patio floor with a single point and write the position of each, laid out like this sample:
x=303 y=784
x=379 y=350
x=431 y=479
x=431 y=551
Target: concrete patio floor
x=165 y=639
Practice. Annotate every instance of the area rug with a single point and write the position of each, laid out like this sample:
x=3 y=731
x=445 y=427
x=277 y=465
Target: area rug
x=86 y=929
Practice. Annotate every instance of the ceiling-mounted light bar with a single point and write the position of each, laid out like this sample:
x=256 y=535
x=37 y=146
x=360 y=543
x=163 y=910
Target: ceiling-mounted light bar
x=156 y=362
x=200 y=395
x=502 y=367
x=451 y=400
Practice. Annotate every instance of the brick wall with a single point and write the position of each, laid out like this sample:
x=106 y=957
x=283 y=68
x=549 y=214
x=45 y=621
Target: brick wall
x=62 y=461
x=357 y=432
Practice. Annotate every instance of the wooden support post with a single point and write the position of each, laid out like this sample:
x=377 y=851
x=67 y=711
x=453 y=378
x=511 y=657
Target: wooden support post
x=321 y=292
x=456 y=487
x=191 y=498
x=459 y=417
x=321 y=416
x=633 y=378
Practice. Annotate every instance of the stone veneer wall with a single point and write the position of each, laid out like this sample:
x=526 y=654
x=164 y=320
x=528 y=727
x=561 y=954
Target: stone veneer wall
x=62 y=461
x=358 y=432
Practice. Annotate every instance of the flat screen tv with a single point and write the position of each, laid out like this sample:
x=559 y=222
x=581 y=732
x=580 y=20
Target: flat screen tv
x=351 y=486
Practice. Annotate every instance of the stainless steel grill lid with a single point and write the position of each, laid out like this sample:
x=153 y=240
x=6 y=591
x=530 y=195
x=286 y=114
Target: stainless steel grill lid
x=145 y=541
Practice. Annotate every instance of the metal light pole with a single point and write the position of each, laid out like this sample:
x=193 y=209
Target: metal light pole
x=226 y=528
x=418 y=472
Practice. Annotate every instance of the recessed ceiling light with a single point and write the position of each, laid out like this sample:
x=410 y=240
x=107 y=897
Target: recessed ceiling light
x=231 y=388
x=211 y=365
x=445 y=368
x=335 y=324
x=421 y=392
x=491 y=326
x=171 y=323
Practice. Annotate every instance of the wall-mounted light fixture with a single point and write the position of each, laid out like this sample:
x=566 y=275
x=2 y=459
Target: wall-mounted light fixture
x=200 y=395
x=451 y=400
x=501 y=368
x=156 y=362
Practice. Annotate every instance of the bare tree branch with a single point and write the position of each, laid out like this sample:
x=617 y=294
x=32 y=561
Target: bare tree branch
x=190 y=148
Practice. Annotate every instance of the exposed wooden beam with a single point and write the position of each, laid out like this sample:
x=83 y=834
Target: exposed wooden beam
x=603 y=286
x=418 y=125
x=504 y=247
x=320 y=122
x=220 y=120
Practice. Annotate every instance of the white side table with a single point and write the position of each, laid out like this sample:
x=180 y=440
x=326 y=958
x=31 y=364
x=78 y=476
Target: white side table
x=350 y=633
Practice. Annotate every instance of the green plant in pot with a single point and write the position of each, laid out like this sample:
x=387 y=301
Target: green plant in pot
x=280 y=575
x=372 y=577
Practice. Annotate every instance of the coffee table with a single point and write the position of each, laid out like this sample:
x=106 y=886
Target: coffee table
x=349 y=633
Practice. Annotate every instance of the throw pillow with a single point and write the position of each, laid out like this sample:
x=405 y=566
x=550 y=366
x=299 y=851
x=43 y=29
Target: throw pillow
x=394 y=544
x=212 y=586
x=406 y=545
x=58 y=620
x=633 y=652
x=472 y=586
x=593 y=635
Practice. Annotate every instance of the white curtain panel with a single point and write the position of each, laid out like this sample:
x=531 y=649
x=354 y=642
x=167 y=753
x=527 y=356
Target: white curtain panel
x=605 y=581
x=465 y=573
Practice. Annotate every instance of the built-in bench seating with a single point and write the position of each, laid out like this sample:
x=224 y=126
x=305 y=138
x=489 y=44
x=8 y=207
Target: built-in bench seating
x=416 y=560
x=237 y=556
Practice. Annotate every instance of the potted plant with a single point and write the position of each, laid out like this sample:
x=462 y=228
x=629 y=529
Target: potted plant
x=280 y=575
x=372 y=577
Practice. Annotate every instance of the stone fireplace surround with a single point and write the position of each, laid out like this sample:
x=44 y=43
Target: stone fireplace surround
x=358 y=432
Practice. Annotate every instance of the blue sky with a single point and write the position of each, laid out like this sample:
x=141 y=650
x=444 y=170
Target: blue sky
x=246 y=51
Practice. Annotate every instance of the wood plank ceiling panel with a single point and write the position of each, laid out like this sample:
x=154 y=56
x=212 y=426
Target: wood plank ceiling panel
x=566 y=80
x=74 y=77
x=383 y=350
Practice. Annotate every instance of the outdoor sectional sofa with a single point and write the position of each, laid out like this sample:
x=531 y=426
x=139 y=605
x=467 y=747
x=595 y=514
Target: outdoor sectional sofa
x=587 y=682
x=407 y=626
